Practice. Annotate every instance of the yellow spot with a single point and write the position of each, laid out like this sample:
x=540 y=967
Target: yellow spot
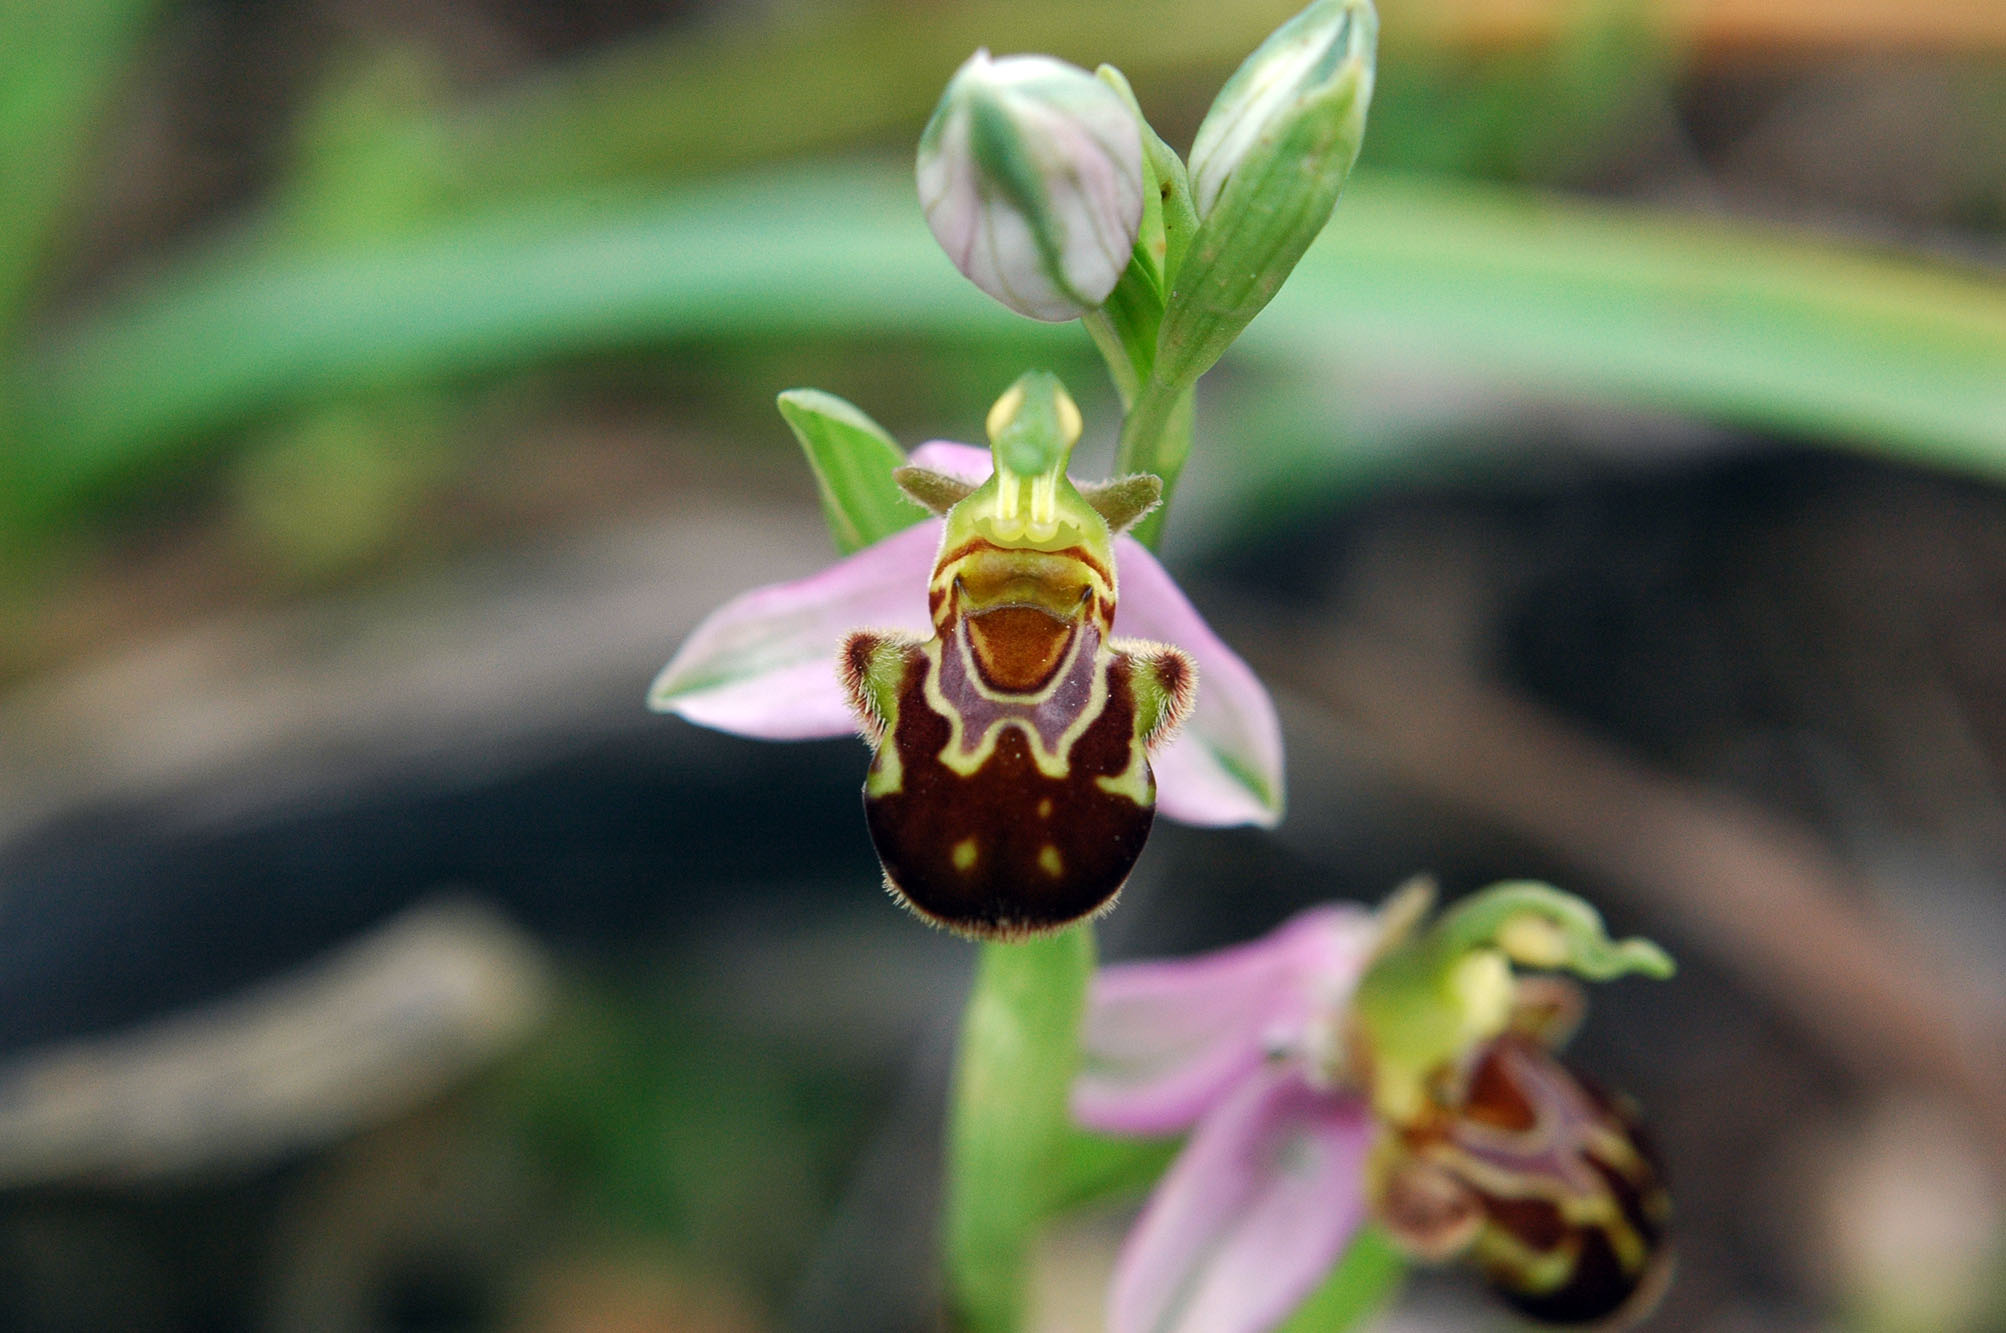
x=964 y=855
x=1007 y=407
x=1045 y=808
x=1050 y=861
x=1070 y=424
x=1480 y=986
x=1533 y=941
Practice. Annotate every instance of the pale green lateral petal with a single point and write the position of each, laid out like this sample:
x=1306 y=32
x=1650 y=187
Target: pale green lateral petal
x=1124 y=500
x=1165 y=681
x=871 y=665
x=938 y=491
x=853 y=458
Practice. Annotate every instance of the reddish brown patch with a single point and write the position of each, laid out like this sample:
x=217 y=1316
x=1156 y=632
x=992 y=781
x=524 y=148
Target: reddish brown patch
x=1535 y=1222
x=1429 y=1211
x=1551 y=1142
x=1495 y=1100
x=1017 y=648
x=1600 y=1286
x=1597 y=1288
x=853 y=664
x=1006 y=889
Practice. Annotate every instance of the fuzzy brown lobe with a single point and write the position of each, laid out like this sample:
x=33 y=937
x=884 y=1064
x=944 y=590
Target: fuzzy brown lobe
x=1035 y=852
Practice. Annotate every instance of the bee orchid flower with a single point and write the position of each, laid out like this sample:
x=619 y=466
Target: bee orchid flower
x=1021 y=671
x=1352 y=1067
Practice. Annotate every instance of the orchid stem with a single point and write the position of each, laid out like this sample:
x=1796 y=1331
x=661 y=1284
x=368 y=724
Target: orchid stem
x=1156 y=438
x=1010 y=1137
x=1008 y=1124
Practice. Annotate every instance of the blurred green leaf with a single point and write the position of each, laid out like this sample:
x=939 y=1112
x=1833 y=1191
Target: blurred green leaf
x=1361 y=1285
x=1751 y=326
x=1547 y=112
x=1095 y=1166
x=334 y=489
x=362 y=163
x=853 y=458
x=731 y=94
x=58 y=64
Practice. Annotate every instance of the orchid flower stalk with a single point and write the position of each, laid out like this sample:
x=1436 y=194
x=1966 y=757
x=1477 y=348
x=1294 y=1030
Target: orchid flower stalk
x=1033 y=686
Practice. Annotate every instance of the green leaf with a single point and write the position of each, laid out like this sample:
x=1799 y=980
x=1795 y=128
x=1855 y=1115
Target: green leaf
x=853 y=458
x=58 y=66
x=1752 y=326
x=1364 y=1282
x=1748 y=324
x=1095 y=1166
x=1008 y=1126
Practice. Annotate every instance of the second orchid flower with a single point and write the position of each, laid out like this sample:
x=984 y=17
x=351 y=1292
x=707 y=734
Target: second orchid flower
x=1351 y=1067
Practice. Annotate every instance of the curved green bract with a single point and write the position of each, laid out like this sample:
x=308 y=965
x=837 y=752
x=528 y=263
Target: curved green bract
x=1537 y=925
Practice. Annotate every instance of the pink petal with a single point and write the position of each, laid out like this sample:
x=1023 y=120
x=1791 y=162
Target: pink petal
x=764 y=663
x=956 y=460
x=1164 y=1042
x=1225 y=765
x=1250 y=1217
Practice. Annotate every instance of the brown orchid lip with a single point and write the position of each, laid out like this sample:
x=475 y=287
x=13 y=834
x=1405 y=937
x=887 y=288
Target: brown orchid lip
x=1549 y=1183
x=1007 y=850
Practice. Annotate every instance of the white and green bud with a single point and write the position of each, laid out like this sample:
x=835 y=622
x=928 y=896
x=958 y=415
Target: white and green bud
x=1030 y=174
x=1266 y=169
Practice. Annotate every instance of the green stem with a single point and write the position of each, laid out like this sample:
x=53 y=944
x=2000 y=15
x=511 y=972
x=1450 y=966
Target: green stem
x=1156 y=438
x=1363 y=1284
x=1008 y=1126
x=1115 y=351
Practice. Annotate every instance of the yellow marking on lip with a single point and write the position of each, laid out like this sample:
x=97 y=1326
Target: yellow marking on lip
x=1050 y=861
x=1134 y=781
x=1045 y=808
x=964 y=854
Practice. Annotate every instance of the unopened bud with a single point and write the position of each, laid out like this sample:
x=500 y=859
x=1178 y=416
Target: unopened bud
x=1266 y=168
x=1030 y=173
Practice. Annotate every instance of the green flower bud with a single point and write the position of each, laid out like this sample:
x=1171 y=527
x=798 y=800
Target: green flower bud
x=1266 y=168
x=1030 y=174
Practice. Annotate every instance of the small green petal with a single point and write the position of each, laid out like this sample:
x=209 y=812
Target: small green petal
x=1537 y=925
x=937 y=491
x=1434 y=993
x=1123 y=500
x=853 y=458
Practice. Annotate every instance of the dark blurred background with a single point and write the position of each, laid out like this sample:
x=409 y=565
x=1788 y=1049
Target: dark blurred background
x=386 y=390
